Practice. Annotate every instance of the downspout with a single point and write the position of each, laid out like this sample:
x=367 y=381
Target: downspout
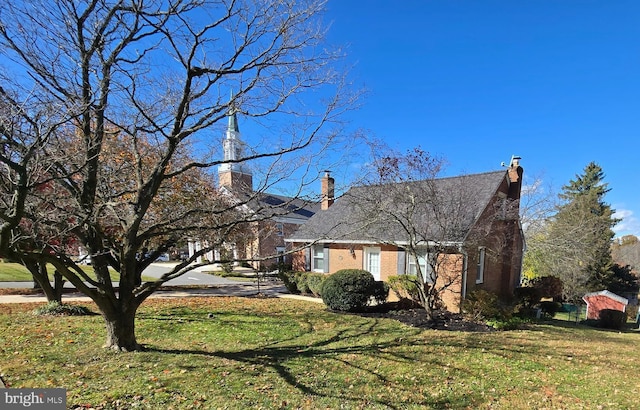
x=524 y=249
x=464 y=272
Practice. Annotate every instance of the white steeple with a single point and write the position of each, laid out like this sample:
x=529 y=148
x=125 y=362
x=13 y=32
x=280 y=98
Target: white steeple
x=233 y=149
x=232 y=145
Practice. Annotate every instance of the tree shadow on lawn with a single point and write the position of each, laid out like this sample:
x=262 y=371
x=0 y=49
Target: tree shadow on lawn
x=276 y=356
x=628 y=327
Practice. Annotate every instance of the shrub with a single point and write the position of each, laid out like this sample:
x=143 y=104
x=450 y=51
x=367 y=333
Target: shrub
x=481 y=305
x=314 y=282
x=301 y=282
x=612 y=319
x=380 y=291
x=280 y=267
x=511 y=323
x=549 y=286
x=527 y=296
x=550 y=308
x=289 y=280
x=632 y=311
x=62 y=309
x=225 y=273
x=348 y=290
x=405 y=287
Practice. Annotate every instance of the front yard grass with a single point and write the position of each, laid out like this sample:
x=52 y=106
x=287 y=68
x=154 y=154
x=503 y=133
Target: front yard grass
x=15 y=272
x=223 y=352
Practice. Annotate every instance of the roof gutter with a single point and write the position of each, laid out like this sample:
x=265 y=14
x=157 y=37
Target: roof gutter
x=373 y=242
x=340 y=241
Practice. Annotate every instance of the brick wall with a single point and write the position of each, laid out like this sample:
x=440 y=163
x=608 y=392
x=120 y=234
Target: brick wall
x=501 y=237
x=342 y=257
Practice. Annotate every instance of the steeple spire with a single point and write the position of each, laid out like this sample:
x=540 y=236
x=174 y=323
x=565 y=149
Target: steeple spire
x=233 y=119
x=233 y=173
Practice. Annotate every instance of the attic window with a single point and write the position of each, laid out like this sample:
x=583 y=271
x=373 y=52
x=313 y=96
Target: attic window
x=481 y=260
x=279 y=229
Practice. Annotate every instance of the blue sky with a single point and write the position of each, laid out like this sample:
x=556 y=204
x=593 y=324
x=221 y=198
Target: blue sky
x=555 y=82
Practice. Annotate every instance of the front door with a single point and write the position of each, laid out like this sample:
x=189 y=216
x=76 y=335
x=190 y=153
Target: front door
x=372 y=261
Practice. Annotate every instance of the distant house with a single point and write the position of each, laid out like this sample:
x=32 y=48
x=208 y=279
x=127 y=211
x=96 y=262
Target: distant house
x=598 y=301
x=271 y=217
x=479 y=242
x=626 y=251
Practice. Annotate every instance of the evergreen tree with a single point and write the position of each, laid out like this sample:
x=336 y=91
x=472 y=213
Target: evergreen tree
x=587 y=218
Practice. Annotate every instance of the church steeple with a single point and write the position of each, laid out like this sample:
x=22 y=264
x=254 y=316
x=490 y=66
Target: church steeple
x=233 y=174
x=233 y=121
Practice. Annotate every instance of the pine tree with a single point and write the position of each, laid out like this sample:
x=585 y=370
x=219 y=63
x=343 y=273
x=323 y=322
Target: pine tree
x=586 y=216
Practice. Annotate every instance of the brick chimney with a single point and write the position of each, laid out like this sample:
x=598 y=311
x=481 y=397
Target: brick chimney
x=515 y=177
x=327 y=190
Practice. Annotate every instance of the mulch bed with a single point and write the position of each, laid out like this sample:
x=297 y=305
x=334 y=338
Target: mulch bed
x=414 y=316
x=442 y=321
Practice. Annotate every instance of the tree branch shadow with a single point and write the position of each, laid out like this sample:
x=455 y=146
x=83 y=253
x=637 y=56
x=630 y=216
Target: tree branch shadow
x=276 y=354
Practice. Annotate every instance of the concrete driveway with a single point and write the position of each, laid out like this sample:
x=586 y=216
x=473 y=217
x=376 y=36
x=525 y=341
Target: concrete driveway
x=193 y=277
x=211 y=286
x=156 y=270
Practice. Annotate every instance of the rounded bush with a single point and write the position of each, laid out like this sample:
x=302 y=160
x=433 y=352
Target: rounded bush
x=62 y=309
x=348 y=290
x=314 y=282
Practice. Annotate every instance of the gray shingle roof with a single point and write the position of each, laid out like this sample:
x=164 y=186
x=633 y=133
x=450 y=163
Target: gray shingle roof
x=442 y=210
x=265 y=205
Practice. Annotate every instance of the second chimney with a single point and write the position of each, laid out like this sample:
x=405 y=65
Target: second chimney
x=327 y=191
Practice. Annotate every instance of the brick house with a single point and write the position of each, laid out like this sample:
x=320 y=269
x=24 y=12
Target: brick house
x=597 y=301
x=474 y=242
x=270 y=217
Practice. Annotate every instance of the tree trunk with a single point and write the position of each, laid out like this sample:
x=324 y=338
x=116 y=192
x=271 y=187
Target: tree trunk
x=41 y=277
x=121 y=330
x=58 y=285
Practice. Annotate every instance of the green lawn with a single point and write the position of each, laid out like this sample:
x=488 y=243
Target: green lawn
x=273 y=353
x=14 y=272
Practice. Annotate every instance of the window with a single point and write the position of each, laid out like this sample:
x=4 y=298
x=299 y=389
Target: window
x=280 y=250
x=279 y=229
x=421 y=260
x=317 y=258
x=480 y=270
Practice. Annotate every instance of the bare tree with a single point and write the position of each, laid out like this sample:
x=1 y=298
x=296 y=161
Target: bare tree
x=26 y=126
x=564 y=249
x=138 y=88
x=406 y=203
x=626 y=251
